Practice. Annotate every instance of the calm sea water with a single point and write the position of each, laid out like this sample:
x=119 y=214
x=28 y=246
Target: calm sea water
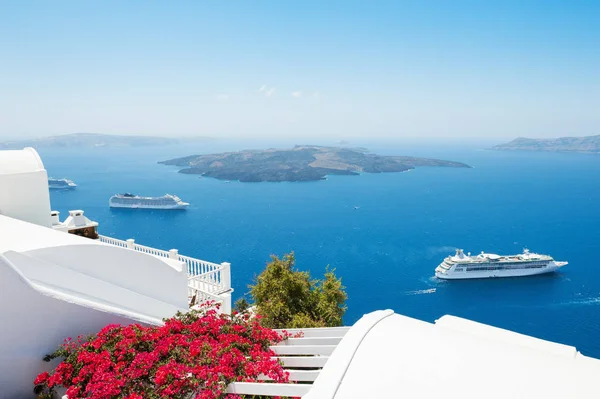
x=386 y=250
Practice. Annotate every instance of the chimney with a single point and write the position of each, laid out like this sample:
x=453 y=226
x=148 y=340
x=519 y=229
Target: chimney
x=54 y=219
x=77 y=219
x=78 y=224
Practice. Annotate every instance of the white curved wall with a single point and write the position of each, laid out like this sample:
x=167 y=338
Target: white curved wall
x=161 y=279
x=136 y=272
x=32 y=326
x=24 y=187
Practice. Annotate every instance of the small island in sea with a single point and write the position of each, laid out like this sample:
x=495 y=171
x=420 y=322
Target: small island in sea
x=82 y=140
x=301 y=163
x=587 y=144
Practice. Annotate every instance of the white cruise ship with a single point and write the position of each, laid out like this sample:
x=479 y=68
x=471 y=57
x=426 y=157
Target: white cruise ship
x=167 y=201
x=461 y=266
x=60 y=184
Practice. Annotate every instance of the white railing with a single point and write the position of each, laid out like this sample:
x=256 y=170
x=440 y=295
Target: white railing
x=196 y=297
x=151 y=251
x=206 y=280
x=113 y=241
x=196 y=266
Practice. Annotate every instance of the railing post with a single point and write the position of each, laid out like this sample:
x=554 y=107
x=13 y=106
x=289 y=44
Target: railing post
x=226 y=284
x=174 y=254
x=226 y=275
x=130 y=243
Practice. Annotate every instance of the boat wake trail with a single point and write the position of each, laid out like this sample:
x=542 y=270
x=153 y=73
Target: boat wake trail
x=581 y=302
x=421 y=292
x=592 y=301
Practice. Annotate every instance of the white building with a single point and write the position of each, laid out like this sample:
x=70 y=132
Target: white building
x=58 y=280
x=24 y=191
x=54 y=284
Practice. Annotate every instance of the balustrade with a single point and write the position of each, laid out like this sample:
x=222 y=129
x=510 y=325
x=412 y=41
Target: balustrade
x=206 y=280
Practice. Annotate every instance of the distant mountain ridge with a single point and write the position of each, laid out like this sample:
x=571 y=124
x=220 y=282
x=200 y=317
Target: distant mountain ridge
x=588 y=144
x=96 y=140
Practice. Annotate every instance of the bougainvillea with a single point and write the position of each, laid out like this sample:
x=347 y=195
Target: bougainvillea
x=193 y=355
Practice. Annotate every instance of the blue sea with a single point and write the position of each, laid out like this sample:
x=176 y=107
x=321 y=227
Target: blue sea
x=387 y=249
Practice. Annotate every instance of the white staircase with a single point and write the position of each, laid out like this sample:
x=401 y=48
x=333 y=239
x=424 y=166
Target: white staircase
x=303 y=358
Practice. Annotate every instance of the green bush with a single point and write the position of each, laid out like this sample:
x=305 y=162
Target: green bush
x=289 y=298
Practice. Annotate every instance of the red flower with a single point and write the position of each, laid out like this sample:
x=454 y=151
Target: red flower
x=42 y=378
x=198 y=353
x=73 y=392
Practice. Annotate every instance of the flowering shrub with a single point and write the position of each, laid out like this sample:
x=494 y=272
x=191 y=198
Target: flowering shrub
x=194 y=355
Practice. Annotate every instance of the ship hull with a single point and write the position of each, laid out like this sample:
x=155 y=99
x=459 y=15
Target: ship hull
x=62 y=187
x=159 y=207
x=61 y=184
x=464 y=275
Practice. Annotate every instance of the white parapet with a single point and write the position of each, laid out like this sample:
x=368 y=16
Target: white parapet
x=207 y=281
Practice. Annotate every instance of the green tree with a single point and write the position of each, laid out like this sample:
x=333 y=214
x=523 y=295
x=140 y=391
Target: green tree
x=289 y=298
x=241 y=305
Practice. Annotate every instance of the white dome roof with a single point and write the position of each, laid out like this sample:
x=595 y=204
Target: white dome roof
x=24 y=187
x=20 y=161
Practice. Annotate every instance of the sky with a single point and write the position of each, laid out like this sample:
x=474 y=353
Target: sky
x=341 y=69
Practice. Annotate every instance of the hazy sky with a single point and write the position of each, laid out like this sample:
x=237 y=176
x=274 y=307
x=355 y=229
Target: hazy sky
x=304 y=68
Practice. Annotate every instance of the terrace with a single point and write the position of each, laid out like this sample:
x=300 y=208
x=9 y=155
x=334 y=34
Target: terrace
x=207 y=281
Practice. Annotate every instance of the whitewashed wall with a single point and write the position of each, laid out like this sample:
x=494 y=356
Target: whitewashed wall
x=24 y=187
x=32 y=326
x=163 y=280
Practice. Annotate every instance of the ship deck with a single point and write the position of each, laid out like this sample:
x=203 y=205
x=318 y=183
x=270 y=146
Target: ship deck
x=501 y=259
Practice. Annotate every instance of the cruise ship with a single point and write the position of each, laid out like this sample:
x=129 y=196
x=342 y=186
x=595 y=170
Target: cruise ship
x=60 y=184
x=461 y=266
x=127 y=200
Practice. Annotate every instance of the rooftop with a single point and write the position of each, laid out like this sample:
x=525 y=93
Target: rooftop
x=17 y=235
x=91 y=272
x=20 y=161
x=388 y=353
